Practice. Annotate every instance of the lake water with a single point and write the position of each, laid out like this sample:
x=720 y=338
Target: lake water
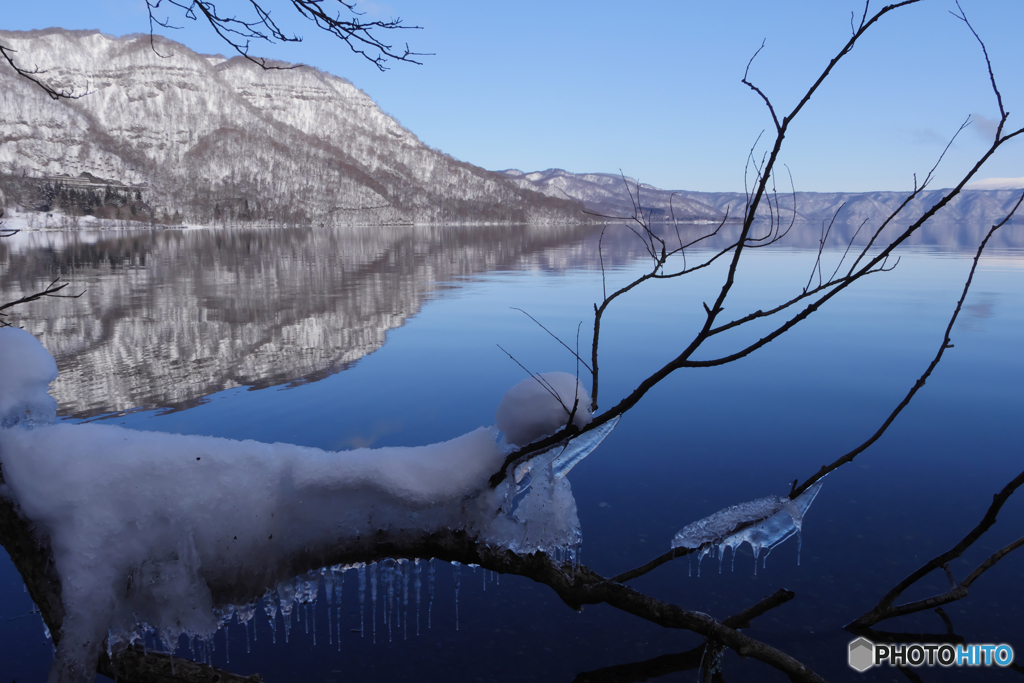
x=388 y=336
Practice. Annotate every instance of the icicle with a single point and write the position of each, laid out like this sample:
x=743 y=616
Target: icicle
x=721 y=556
x=247 y=648
x=456 y=573
x=329 y=594
x=312 y=608
x=485 y=581
x=362 y=600
x=227 y=651
x=286 y=591
x=373 y=599
x=389 y=582
x=417 y=584
x=328 y=576
x=341 y=585
x=405 y=598
x=430 y=589
x=270 y=607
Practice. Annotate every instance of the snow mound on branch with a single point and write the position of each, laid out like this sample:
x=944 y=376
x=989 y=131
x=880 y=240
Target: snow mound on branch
x=166 y=513
x=146 y=527
x=540 y=406
x=26 y=370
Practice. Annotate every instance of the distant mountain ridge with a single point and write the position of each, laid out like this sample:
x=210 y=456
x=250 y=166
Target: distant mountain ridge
x=214 y=139
x=606 y=194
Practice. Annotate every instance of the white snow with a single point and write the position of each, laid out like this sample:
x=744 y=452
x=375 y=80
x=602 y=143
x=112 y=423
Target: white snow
x=540 y=406
x=996 y=184
x=142 y=523
x=26 y=370
x=763 y=523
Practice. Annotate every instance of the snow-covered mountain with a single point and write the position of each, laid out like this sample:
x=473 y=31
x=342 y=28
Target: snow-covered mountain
x=218 y=139
x=607 y=194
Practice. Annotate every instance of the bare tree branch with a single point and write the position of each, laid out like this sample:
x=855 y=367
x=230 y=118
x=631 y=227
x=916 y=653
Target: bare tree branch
x=946 y=344
x=691 y=659
x=360 y=36
x=554 y=336
x=34 y=74
x=988 y=63
x=50 y=291
x=885 y=609
x=758 y=90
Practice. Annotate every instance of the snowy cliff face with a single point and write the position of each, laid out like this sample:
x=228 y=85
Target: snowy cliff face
x=606 y=194
x=223 y=139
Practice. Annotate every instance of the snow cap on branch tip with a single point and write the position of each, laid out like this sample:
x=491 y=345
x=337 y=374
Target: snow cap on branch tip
x=541 y=405
x=26 y=370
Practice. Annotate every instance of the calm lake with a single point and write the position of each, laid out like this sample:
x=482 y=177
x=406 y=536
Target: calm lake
x=389 y=336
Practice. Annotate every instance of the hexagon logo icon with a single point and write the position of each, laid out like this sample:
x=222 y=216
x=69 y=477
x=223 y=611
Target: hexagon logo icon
x=862 y=654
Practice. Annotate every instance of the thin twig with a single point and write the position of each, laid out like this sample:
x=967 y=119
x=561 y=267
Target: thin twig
x=946 y=344
x=885 y=609
x=554 y=336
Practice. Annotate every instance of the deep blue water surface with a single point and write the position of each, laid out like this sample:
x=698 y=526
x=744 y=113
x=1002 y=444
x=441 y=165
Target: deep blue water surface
x=701 y=440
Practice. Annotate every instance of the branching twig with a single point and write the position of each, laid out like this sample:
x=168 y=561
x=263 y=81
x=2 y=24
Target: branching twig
x=360 y=36
x=885 y=609
x=50 y=291
x=541 y=381
x=946 y=344
x=554 y=336
x=33 y=75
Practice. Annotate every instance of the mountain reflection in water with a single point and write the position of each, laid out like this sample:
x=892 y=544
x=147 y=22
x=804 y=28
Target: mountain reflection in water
x=169 y=317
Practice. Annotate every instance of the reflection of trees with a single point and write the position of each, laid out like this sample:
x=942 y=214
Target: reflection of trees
x=579 y=585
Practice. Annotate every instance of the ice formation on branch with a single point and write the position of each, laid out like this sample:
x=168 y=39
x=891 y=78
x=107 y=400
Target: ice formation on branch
x=143 y=524
x=763 y=523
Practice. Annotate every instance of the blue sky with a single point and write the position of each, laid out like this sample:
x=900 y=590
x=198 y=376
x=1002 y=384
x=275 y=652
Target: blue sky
x=653 y=88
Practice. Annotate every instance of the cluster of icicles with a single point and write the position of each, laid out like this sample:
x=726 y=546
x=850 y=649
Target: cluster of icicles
x=763 y=524
x=395 y=582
